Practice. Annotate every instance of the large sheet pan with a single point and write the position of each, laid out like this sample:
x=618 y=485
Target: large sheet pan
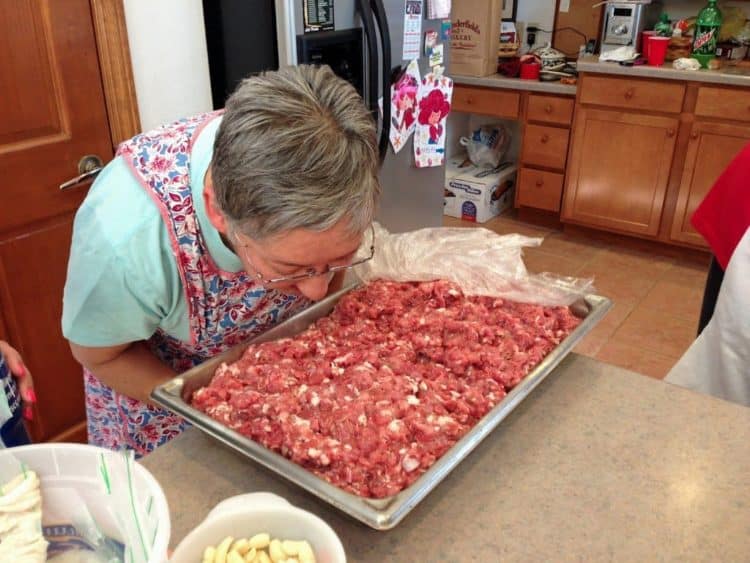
x=381 y=514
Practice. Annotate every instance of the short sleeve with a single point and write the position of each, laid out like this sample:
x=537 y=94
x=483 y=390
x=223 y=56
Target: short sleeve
x=118 y=287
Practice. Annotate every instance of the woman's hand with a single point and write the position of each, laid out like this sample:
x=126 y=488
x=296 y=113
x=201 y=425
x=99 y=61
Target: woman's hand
x=25 y=383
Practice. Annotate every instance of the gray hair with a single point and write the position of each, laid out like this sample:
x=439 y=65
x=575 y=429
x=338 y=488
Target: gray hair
x=296 y=148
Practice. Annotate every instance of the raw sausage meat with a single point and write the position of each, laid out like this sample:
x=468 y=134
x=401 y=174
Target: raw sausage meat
x=370 y=396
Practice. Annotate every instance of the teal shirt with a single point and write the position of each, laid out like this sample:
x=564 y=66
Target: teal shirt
x=123 y=282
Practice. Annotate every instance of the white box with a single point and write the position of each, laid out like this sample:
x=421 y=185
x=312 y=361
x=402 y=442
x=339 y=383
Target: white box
x=477 y=194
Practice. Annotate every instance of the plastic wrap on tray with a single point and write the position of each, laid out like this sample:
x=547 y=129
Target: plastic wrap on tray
x=480 y=261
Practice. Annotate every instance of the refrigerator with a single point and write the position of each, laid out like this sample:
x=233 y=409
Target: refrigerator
x=412 y=197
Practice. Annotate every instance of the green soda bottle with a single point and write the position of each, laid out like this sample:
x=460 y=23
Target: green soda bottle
x=706 y=33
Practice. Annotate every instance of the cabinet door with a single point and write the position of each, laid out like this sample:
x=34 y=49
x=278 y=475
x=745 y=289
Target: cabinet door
x=712 y=147
x=619 y=169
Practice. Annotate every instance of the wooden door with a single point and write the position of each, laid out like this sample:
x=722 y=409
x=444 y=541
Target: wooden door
x=711 y=148
x=618 y=170
x=53 y=113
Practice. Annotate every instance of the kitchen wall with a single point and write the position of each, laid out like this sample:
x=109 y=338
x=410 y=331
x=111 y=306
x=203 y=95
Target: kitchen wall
x=170 y=62
x=542 y=13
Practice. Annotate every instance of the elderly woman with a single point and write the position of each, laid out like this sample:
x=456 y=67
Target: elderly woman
x=202 y=233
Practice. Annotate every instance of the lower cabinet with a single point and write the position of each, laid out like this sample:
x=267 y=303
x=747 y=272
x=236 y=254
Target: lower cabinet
x=711 y=148
x=618 y=170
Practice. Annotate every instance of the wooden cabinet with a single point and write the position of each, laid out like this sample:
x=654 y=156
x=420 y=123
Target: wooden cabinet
x=550 y=109
x=544 y=152
x=546 y=147
x=644 y=153
x=633 y=94
x=723 y=103
x=619 y=169
x=711 y=148
x=486 y=101
x=539 y=189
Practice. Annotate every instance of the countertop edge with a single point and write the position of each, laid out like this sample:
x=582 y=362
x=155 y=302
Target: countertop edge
x=504 y=83
x=593 y=66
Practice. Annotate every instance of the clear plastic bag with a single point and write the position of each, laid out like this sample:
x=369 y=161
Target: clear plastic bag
x=95 y=501
x=480 y=261
x=487 y=145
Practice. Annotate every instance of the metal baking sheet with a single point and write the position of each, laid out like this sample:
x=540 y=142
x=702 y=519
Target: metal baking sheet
x=385 y=513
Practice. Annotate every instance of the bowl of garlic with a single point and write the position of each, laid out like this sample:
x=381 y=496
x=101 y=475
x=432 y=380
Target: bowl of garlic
x=260 y=528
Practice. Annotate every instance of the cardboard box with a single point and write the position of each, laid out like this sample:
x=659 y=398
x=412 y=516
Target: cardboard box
x=477 y=194
x=475 y=37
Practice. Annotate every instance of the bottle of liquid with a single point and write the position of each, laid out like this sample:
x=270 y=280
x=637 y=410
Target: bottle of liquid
x=664 y=27
x=12 y=430
x=706 y=33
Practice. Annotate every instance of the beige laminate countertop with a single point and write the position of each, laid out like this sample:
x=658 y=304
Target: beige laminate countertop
x=598 y=464
x=727 y=77
x=503 y=82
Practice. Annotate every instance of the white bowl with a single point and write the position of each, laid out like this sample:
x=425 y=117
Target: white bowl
x=246 y=515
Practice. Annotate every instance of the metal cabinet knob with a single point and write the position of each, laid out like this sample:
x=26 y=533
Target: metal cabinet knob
x=694 y=135
x=539 y=183
x=670 y=132
x=548 y=108
x=88 y=167
x=629 y=93
x=545 y=138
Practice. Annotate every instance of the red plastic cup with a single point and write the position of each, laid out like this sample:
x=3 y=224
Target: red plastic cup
x=657 y=49
x=644 y=42
x=530 y=71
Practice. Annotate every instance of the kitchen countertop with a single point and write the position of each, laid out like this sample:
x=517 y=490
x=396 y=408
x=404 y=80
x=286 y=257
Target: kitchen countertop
x=591 y=64
x=503 y=82
x=598 y=464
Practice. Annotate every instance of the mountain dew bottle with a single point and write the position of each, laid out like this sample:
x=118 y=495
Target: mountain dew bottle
x=706 y=33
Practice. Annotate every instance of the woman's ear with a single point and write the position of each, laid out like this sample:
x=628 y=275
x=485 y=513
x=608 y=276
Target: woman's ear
x=215 y=215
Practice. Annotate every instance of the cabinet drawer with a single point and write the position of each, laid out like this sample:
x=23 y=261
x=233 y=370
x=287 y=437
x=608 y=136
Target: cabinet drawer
x=545 y=146
x=488 y=101
x=550 y=110
x=661 y=96
x=541 y=190
x=724 y=103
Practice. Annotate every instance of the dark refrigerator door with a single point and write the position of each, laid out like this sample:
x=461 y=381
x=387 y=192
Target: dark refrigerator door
x=412 y=197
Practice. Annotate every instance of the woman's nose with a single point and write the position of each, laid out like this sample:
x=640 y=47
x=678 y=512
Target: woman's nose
x=315 y=288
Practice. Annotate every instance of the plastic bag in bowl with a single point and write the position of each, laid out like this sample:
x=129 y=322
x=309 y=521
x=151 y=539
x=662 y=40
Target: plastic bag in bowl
x=100 y=505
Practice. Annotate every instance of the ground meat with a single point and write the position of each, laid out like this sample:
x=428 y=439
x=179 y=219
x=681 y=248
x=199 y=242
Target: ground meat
x=370 y=396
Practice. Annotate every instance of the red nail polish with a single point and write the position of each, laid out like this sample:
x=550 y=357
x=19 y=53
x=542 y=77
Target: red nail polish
x=21 y=371
x=28 y=413
x=29 y=395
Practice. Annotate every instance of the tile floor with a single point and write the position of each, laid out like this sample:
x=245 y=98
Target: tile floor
x=656 y=293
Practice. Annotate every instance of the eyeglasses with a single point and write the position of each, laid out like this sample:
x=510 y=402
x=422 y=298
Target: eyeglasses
x=312 y=272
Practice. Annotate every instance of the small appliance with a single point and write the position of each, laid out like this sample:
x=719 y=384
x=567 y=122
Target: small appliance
x=625 y=21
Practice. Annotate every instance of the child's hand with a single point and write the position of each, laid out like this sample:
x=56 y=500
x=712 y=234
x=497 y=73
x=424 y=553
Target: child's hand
x=23 y=377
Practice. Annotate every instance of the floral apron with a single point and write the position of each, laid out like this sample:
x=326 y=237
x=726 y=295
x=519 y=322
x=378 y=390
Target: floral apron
x=224 y=308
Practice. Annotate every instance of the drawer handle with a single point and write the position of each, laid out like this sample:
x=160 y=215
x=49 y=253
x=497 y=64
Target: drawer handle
x=694 y=135
x=469 y=100
x=629 y=93
x=545 y=138
x=539 y=183
x=548 y=108
x=670 y=132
